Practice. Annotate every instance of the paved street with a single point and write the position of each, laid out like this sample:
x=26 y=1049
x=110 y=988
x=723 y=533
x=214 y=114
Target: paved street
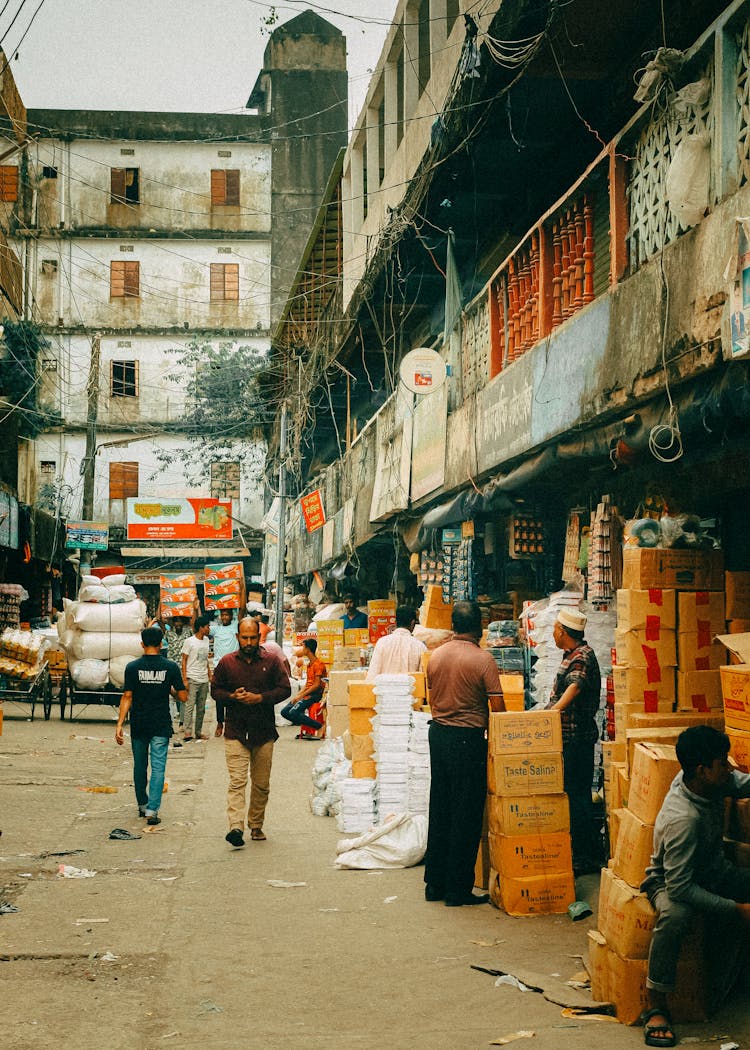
x=207 y=953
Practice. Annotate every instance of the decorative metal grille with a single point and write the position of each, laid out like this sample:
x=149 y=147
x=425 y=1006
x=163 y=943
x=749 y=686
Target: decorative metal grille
x=743 y=103
x=652 y=224
x=475 y=348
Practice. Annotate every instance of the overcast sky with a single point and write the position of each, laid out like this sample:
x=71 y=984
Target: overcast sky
x=180 y=55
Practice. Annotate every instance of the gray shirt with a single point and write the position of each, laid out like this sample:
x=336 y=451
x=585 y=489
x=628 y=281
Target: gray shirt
x=688 y=859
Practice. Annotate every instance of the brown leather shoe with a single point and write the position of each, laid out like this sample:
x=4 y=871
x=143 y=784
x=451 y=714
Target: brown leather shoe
x=256 y=834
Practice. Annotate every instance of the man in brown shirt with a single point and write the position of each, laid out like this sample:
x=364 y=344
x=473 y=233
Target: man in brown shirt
x=462 y=677
x=248 y=683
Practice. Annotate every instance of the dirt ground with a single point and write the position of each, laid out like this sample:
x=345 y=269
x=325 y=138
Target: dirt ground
x=180 y=941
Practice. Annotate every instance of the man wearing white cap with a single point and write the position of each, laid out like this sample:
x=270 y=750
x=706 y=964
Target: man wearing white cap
x=576 y=695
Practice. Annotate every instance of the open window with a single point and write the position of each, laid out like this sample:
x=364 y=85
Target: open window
x=123 y=378
x=225 y=187
x=124 y=279
x=125 y=186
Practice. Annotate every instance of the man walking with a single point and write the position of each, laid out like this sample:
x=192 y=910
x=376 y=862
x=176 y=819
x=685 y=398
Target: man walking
x=248 y=683
x=196 y=673
x=148 y=684
x=296 y=712
x=576 y=695
x=398 y=652
x=224 y=639
x=176 y=633
x=462 y=677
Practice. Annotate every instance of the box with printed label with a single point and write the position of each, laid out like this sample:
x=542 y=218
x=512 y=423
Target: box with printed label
x=735 y=690
x=698 y=690
x=625 y=918
x=701 y=611
x=739 y=748
x=683 y=719
x=640 y=685
x=654 y=768
x=525 y=774
x=680 y=570
x=737 y=587
x=635 y=843
x=697 y=651
x=338 y=686
x=527 y=731
x=649 y=735
x=649 y=649
x=516 y=856
x=538 y=894
x=537 y=814
x=639 y=610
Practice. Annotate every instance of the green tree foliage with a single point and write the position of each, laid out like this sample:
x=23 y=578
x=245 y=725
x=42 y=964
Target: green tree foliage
x=20 y=375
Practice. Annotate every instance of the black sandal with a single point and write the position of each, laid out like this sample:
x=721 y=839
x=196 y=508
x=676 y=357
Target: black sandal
x=650 y=1037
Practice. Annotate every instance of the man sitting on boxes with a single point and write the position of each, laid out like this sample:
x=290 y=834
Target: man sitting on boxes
x=688 y=873
x=576 y=695
x=398 y=652
x=296 y=711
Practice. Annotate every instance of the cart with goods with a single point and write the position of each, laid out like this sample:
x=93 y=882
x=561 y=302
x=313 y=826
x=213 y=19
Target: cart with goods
x=72 y=696
x=24 y=673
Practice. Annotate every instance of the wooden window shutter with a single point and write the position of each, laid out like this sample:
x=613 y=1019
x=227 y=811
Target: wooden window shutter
x=123 y=480
x=232 y=281
x=218 y=186
x=132 y=279
x=8 y=182
x=217 y=282
x=136 y=378
x=232 y=194
x=118 y=185
x=116 y=279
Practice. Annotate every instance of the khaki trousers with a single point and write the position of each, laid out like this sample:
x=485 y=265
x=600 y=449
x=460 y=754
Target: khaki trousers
x=240 y=760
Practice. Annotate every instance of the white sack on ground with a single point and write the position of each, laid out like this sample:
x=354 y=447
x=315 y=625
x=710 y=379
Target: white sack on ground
x=95 y=645
x=130 y=616
x=399 y=843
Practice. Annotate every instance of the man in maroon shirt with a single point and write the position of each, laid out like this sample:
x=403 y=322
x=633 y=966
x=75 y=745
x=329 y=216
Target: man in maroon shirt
x=248 y=683
x=462 y=677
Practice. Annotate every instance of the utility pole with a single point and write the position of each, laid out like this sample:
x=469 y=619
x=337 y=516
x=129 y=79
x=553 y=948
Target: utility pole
x=281 y=535
x=88 y=467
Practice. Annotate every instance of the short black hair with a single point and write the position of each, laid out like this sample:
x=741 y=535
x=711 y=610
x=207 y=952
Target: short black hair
x=311 y=644
x=577 y=636
x=152 y=637
x=405 y=614
x=350 y=594
x=467 y=618
x=201 y=621
x=700 y=746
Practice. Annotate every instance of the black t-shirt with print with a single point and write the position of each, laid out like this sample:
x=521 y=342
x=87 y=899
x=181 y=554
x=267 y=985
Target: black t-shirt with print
x=151 y=679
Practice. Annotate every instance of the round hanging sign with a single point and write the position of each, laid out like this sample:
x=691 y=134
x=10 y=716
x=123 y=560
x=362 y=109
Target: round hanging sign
x=422 y=370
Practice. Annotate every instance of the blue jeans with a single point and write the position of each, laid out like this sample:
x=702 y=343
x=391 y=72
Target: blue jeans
x=148 y=790
x=295 y=712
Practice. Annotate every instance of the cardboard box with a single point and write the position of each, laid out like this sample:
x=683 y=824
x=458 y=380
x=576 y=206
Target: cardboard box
x=625 y=713
x=698 y=690
x=513 y=692
x=538 y=894
x=527 y=732
x=525 y=774
x=737 y=824
x=697 y=651
x=381 y=618
x=640 y=685
x=537 y=814
x=654 y=768
x=617 y=783
x=739 y=748
x=652 y=610
x=434 y=613
x=346 y=658
x=737 y=588
x=635 y=843
x=649 y=735
x=362 y=747
x=613 y=751
x=364 y=769
x=625 y=917
x=738 y=626
x=679 y=570
x=518 y=856
x=482 y=865
x=617 y=980
x=683 y=719
x=420 y=685
x=701 y=611
x=360 y=720
x=615 y=820
x=361 y=694
x=493 y=888
x=735 y=690
x=637 y=649
x=357 y=637
x=338 y=686
x=337 y=721
x=623 y=784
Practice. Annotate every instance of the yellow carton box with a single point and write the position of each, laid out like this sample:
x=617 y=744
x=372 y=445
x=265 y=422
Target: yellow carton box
x=525 y=731
x=615 y=819
x=362 y=747
x=617 y=980
x=626 y=918
x=364 y=769
x=683 y=719
x=625 y=713
x=646 y=686
x=649 y=735
x=361 y=694
x=697 y=651
x=482 y=865
x=632 y=855
x=538 y=894
x=639 y=610
x=680 y=570
x=619 y=773
x=420 y=685
x=358 y=637
x=698 y=690
x=735 y=690
x=737 y=587
x=513 y=692
x=739 y=748
x=646 y=649
x=701 y=611
x=360 y=720
x=654 y=768
x=338 y=686
x=537 y=814
x=524 y=774
x=337 y=720
x=518 y=856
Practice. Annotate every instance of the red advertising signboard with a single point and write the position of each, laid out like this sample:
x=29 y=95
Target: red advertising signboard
x=312 y=511
x=179 y=519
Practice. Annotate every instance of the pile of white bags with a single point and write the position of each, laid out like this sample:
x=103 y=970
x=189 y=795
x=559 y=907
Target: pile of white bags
x=101 y=632
x=331 y=768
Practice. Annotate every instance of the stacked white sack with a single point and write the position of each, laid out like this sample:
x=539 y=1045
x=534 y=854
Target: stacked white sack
x=393 y=706
x=101 y=632
x=419 y=763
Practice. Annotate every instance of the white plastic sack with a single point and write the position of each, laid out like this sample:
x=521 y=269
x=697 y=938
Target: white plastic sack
x=117 y=670
x=431 y=636
x=86 y=581
x=93 y=592
x=121 y=593
x=100 y=645
x=130 y=616
x=399 y=843
x=67 y=636
x=688 y=178
x=117 y=579
x=89 y=674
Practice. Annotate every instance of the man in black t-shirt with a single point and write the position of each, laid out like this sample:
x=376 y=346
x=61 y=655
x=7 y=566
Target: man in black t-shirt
x=149 y=682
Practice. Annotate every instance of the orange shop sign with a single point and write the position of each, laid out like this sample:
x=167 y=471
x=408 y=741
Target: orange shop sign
x=179 y=519
x=312 y=511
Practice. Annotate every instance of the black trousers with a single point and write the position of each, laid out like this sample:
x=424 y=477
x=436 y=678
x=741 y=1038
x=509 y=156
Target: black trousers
x=578 y=764
x=458 y=764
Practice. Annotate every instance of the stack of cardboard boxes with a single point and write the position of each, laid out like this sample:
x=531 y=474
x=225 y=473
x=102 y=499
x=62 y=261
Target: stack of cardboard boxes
x=361 y=703
x=735 y=677
x=434 y=612
x=531 y=868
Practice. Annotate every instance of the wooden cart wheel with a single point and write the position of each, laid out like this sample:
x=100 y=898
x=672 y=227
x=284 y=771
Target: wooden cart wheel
x=47 y=697
x=63 y=696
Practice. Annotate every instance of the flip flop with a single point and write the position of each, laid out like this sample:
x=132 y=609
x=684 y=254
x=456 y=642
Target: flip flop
x=650 y=1037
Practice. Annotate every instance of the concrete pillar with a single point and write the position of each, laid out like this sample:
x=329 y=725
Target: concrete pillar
x=411 y=61
x=373 y=153
x=724 y=152
x=391 y=109
x=438 y=25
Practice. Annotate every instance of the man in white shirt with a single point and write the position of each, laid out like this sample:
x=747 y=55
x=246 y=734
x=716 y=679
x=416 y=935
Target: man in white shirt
x=398 y=652
x=196 y=675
